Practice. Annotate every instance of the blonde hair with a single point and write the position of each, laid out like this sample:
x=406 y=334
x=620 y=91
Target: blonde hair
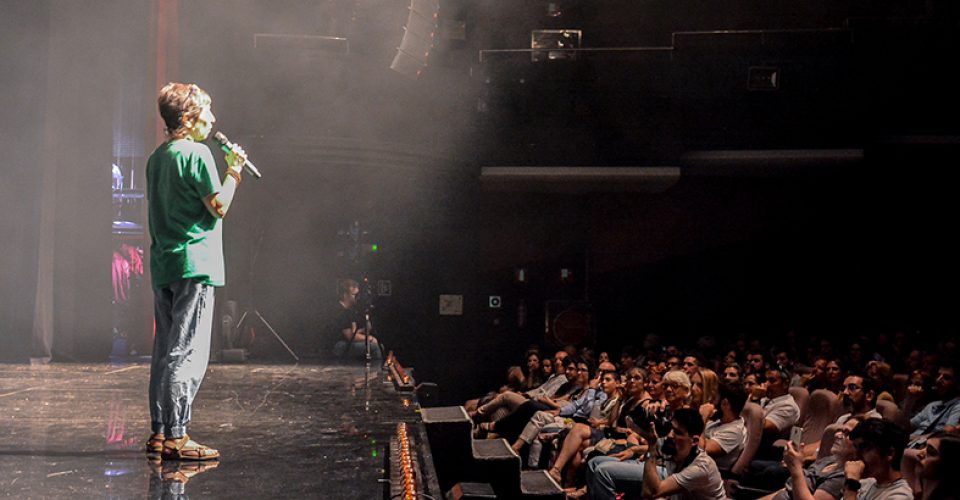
x=711 y=385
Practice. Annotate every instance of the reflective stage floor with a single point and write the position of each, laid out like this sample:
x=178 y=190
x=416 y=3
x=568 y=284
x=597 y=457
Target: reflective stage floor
x=283 y=431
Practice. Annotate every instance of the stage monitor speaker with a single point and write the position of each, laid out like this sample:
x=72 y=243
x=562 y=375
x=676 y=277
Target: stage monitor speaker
x=428 y=394
x=470 y=491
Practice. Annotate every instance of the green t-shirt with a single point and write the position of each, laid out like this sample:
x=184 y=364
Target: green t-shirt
x=186 y=240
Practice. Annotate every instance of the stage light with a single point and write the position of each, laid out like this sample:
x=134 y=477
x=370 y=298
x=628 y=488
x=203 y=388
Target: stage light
x=763 y=78
x=521 y=275
x=552 y=45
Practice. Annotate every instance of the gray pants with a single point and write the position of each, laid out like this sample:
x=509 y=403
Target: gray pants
x=181 y=349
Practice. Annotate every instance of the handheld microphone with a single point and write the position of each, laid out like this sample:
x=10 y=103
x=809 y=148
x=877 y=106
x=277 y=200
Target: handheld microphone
x=228 y=146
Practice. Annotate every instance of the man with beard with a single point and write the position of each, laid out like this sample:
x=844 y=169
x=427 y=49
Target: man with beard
x=940 y=414
x=858 y=398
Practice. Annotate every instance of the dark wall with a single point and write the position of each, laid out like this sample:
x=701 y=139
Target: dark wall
x=842 y=252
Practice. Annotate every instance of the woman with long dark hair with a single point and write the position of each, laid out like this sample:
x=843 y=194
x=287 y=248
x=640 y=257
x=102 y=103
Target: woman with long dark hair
x=939 y=462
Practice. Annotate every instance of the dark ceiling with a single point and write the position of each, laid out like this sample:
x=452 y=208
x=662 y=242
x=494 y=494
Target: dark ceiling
x=661 y=80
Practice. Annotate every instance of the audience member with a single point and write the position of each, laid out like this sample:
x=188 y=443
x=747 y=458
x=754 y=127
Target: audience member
x=552 y=397
x=691 y=364
x=676 y=387
x=880 y=373
x=835 y=376
x=687 y=470
x=824 y=478
x=940 y=414
x=533 y=375
x=940 y=456
x=875 y=475
x=753 y=384
x=918 y=394
x=582 y=434
x=780 y=411
x=816 y=378
x=725 y=434
x=755 y=362
x=858 y=398
x=674 y=364
x=731 y=373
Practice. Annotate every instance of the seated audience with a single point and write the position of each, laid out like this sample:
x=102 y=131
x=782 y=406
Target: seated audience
x=754 y=385
x=816 y=378
x=731 y=373
x=835 y=375
x=939 y=461
x=515 y=382
x=858 y=398
x=881 y=374
x=675 y=465
x=918 y=394
x=583 y=434
x=725 y=434
x=676 y=389
x=780 y=412
x=875 y=475
x=533 y=375
x=556 y=418
x=704 y=391
x=824 y=478
x=939 y=414
x=578 y=407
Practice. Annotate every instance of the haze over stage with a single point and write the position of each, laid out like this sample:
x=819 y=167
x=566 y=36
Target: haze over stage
x=284 y=431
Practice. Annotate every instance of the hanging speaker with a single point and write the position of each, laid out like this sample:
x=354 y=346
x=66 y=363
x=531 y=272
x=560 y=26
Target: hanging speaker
x=419 y=35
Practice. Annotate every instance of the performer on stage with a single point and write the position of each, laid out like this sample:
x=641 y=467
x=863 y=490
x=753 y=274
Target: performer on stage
x=186 y=201
x=350 y=327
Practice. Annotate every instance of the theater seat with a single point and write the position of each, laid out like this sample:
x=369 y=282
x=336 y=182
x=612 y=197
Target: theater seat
x=823 y=408
x=800 y=396
x=827 y=439
x=891 y=412
x=752 y=415
x=753 y=421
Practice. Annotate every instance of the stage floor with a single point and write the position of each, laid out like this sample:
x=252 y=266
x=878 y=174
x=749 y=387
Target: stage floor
x=283 y=431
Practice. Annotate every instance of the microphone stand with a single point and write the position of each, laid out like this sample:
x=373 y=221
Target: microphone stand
x=366 y=337
x=255 y=251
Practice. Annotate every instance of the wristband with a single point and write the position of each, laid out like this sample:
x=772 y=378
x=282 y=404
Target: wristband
x=852 y=485
x=236 y=175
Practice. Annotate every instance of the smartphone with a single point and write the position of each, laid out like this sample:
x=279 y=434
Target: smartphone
x=796 y=434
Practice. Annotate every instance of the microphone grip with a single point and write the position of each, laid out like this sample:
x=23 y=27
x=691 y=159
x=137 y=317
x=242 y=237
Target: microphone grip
x=227 y=147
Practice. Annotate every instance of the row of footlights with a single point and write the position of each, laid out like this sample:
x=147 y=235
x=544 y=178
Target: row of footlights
x=407 y=474
x=397 y=373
